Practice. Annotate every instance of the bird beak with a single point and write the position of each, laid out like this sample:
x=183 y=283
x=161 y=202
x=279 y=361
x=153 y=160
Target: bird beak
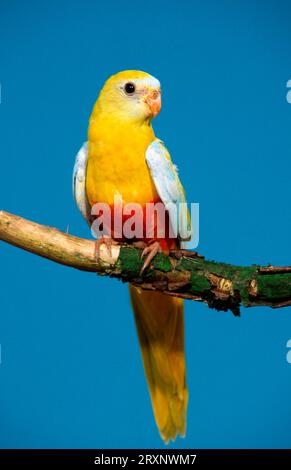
x=154 y=102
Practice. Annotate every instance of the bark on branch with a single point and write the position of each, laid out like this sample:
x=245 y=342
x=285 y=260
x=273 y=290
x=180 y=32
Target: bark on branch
x=182 y=274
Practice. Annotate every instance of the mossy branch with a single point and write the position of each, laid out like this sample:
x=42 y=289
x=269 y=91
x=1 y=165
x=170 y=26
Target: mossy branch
x=182 y=274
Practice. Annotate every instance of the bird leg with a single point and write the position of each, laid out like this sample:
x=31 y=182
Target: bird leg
x=152 y=248
x=108 y=242
x=139 y=244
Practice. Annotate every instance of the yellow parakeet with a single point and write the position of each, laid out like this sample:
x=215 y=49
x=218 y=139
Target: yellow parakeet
x=124 y=157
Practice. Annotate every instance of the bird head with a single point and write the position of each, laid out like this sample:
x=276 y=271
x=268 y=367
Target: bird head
x=131 y=94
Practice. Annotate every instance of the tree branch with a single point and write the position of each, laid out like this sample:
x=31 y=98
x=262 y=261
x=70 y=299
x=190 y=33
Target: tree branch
x=182 y=274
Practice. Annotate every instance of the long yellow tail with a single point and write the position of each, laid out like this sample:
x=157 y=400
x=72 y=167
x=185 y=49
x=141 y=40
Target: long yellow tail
x=160 y=325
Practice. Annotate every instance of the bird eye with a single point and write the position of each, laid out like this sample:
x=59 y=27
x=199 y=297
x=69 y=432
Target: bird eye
x=129 y=88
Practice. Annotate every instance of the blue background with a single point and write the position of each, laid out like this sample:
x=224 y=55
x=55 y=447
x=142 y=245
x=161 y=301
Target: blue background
x=71 y=372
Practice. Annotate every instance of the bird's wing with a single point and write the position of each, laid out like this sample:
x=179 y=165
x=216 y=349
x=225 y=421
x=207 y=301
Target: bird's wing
x=79 y=182
x=165 y=176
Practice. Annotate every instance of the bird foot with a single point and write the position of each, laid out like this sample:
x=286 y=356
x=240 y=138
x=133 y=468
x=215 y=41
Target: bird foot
x=140 y=244
x=108 y=242
x=151 y=250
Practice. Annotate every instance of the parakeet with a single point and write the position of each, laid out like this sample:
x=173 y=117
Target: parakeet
x=123 y=157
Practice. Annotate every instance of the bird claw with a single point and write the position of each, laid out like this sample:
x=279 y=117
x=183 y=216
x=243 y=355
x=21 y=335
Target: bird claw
x=151 y=250
x=108 y=242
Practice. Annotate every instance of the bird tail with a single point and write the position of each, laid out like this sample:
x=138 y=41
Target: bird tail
x=159 y=320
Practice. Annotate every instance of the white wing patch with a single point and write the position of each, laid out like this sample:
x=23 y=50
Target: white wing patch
x=79 y=182
x=168 y=185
